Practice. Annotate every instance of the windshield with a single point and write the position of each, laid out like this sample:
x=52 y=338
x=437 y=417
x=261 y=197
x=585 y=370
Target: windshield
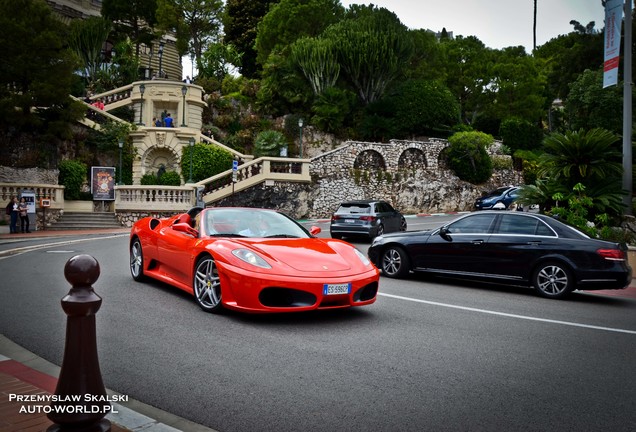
x=253 y=223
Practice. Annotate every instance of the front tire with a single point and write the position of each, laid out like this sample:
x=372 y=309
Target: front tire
x=395 y=262
x=207 y=285
x=137 y=261
x=553 y=280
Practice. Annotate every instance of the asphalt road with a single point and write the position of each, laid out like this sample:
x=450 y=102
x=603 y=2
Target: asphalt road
x=429 y=355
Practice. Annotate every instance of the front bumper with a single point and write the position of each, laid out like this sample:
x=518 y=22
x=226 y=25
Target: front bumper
x=262 y=293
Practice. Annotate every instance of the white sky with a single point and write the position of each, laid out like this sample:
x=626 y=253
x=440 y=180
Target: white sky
x=497 y=23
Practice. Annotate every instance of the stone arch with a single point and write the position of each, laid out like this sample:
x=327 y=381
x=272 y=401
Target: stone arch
x=412 y=158
x=369 y=159
x=157 y=158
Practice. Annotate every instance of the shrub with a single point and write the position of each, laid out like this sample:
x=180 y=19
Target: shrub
x=468 y=158
x=207 y=160
x=170 y=178
x=269 y=143
x=72 y=176
x=148 y=179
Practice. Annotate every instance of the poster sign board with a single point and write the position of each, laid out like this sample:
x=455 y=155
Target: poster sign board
x=103 y=183
x=613 y=21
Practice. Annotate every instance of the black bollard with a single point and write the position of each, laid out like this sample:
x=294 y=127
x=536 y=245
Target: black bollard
x=80 y=402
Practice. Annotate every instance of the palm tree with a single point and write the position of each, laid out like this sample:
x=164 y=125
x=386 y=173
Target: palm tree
x=534 y=28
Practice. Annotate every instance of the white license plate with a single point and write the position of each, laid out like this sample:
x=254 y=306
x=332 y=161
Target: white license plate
x=334 y=289
x=349 y=220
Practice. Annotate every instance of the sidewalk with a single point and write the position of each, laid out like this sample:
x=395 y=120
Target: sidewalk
x=24 y=373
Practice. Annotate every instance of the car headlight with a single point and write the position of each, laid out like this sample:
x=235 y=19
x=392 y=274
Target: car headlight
x=251 y=258
x=363 y=258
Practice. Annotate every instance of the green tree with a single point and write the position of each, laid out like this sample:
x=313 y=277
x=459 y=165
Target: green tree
x=427 y=61
x=36 y=72
x=332 y=108
x=318 y=61
x=589 y=105
x=423 y=106
x=133 y=19
x=218 y=60
x=520 y=134
x=468 y=74
x=467 y=156
x=290 y=20
x=87 y=39
x=516 y=86
x=373 y=46
x=196 y=23
x=240 y=23
x=565 y=57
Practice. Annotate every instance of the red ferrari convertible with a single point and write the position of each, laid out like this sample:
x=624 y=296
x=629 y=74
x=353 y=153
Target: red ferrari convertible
x=251 y=260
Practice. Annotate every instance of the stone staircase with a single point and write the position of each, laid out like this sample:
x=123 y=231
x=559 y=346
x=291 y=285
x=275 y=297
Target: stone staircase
x=85 y=221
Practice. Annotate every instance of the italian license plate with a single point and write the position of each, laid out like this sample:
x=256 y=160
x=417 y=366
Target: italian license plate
x=334 y=289
x=349 y=220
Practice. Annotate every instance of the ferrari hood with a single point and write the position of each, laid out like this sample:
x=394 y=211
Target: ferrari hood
x=305 y=255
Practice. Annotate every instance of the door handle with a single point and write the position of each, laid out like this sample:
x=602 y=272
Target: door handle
x=534 y=242
x=477 y=242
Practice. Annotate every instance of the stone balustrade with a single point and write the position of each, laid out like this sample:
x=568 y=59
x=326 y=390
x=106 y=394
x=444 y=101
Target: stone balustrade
x=154 y=198
x=262 y=170
x=54 y=193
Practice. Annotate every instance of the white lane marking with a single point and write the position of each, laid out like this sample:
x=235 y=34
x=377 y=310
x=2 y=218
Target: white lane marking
x=524 y=317
x=19 y=251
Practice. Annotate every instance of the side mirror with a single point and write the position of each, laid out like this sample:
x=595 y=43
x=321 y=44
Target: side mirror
x=314 y=230
x=445 y=234
x=185 y=228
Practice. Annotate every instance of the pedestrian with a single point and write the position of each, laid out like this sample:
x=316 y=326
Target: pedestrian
x=156 y=122
x=187 y=80
x=168 y=120
x=23 y=208
x=13 y=227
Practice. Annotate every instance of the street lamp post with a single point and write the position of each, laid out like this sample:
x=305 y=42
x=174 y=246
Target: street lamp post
x=300 y=127
x=142 y=89
x=160 y=54
x=191 y=151
x=119 y=174
x=184 y=91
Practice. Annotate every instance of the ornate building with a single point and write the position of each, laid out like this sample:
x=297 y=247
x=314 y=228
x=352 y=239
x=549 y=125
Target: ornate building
x=162 y=54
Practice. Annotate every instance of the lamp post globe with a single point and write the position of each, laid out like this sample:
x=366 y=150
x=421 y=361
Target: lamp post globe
x=184 y=91
x=300 y=127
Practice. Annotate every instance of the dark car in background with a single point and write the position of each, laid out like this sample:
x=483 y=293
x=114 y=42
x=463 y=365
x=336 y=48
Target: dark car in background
x=369 y=218
x=516 y=248
x=498 y=199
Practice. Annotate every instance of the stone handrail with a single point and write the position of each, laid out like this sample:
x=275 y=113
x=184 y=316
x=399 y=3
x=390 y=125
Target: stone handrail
x=54 y=193
x=97 y=115
x=154 y=198
x=114 y=96
x=263 y=169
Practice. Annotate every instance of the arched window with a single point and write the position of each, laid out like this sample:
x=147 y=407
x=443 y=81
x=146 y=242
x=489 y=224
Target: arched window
x=369 y=159
x=412 y=158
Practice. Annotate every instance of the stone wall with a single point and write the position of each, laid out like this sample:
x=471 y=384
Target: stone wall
x=408 y=174
x=28 y=175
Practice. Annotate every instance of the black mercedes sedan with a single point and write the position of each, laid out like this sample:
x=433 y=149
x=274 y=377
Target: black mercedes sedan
x=509 y=247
